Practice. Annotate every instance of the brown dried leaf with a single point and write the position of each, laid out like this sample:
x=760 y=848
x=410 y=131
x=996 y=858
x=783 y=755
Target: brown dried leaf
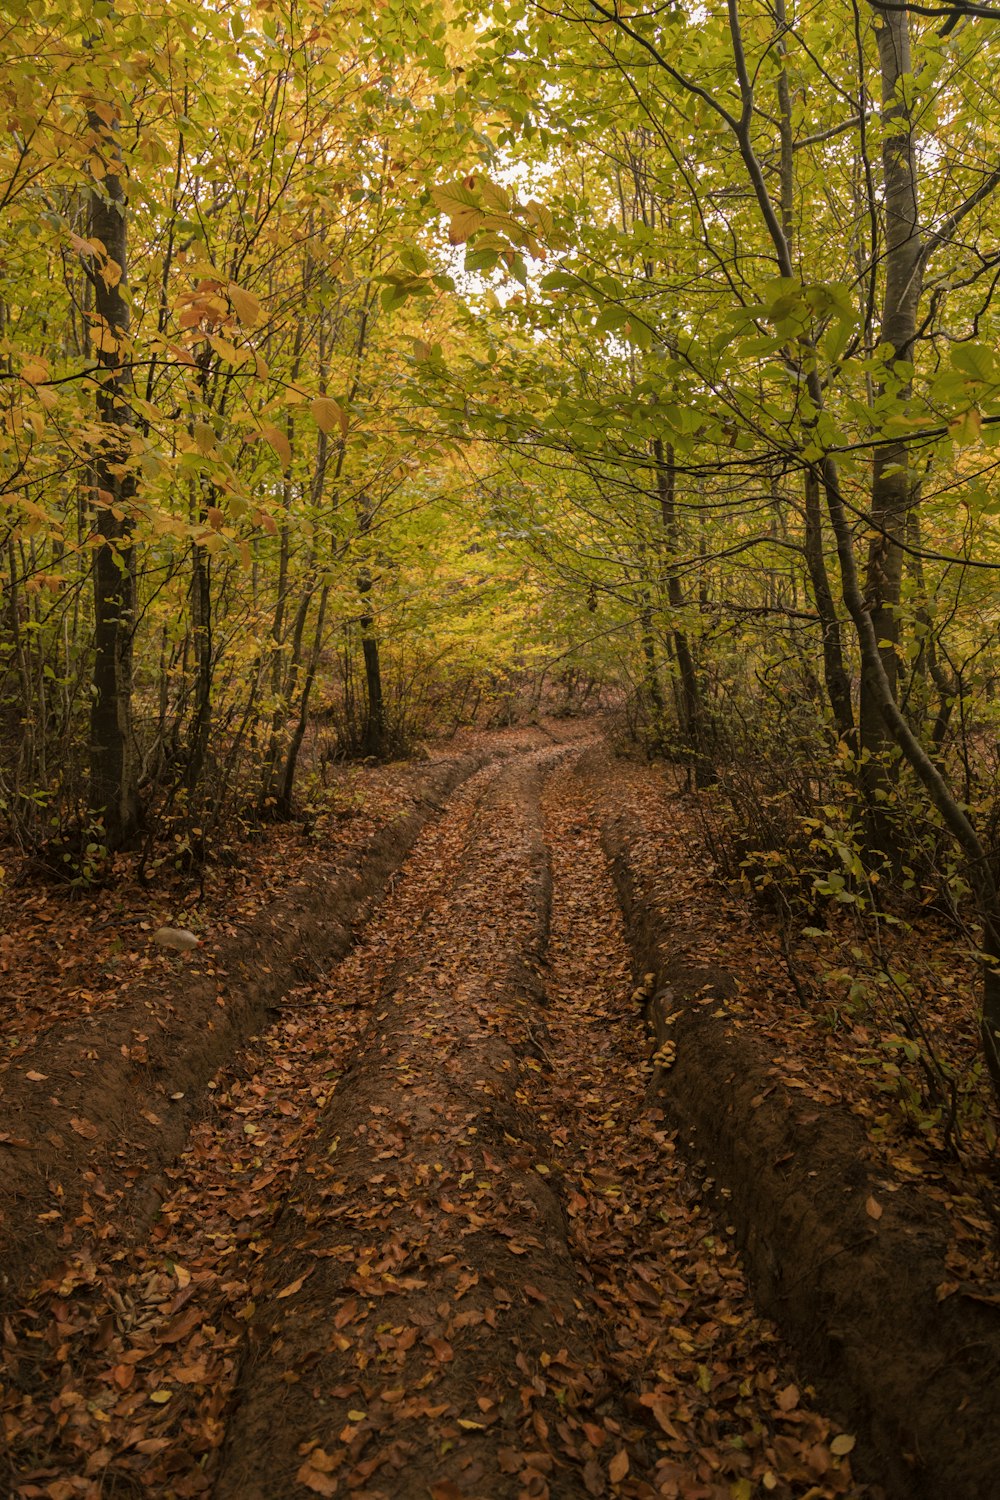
x=618 y=1467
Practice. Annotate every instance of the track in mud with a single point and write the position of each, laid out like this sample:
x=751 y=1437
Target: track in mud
x=429 y=1240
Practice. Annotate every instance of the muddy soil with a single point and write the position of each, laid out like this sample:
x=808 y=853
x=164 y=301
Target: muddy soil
x=427 y=1233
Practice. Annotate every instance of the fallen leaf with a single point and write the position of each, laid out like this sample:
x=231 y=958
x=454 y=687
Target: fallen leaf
x=314 y=1479
x=59 y=1489
x=294 y=1286
x=618 y=1467
x=873 y=1208
x=180 y=1327
x=842 y=1444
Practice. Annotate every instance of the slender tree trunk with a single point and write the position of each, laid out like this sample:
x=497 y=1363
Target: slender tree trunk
x=376 y=729
x=694 y=723
x=838 y=683
x=894 y=486
x=301 y=724
x=651 y=670
x=114 y=769
x=201 y=618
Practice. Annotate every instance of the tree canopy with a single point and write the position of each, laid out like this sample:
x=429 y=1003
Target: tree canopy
x=365 y=366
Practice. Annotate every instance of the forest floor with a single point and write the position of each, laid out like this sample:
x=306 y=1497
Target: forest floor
x=385 y=1191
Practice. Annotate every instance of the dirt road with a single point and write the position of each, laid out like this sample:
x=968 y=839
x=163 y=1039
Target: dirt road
x=426 y=1235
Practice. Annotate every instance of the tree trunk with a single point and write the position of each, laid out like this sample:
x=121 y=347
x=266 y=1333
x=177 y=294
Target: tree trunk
x=894 y=486
x=693 y=725
x=302 y=722
x=201 y=619
x=375 y=735
x=114 y=767
x=838 y=683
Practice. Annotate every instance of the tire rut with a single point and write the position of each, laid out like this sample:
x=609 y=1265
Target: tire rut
x=424 y=1330
x=712 y=1406
x=123 y=1087
x=151 y=1330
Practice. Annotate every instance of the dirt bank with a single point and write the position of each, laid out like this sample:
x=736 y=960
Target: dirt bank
x=103 y=1101
x=849 y=1260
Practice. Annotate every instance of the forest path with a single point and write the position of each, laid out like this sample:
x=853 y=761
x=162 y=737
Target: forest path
x=429 y=1241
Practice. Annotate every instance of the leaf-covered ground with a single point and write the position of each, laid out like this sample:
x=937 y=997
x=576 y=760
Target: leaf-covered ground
x=427 y=1237
x=880 y=1055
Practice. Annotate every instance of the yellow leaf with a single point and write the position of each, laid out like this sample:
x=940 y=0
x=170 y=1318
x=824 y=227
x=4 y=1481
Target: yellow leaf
x=540 y=216
x=279 y=442
x=35 y=371
x=160 y=1397
x=328 y=414
x=842 y=1444
x=966 y=428
x=106 y=341
x=227 y=351
x=245 y=304
x=293 y=1286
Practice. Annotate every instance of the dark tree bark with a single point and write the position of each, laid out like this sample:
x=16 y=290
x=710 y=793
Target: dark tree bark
x=694 y=724
x=894 y=485
x=114 y=762
x=835 y=675
x=374 y=741
x=201 y=621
